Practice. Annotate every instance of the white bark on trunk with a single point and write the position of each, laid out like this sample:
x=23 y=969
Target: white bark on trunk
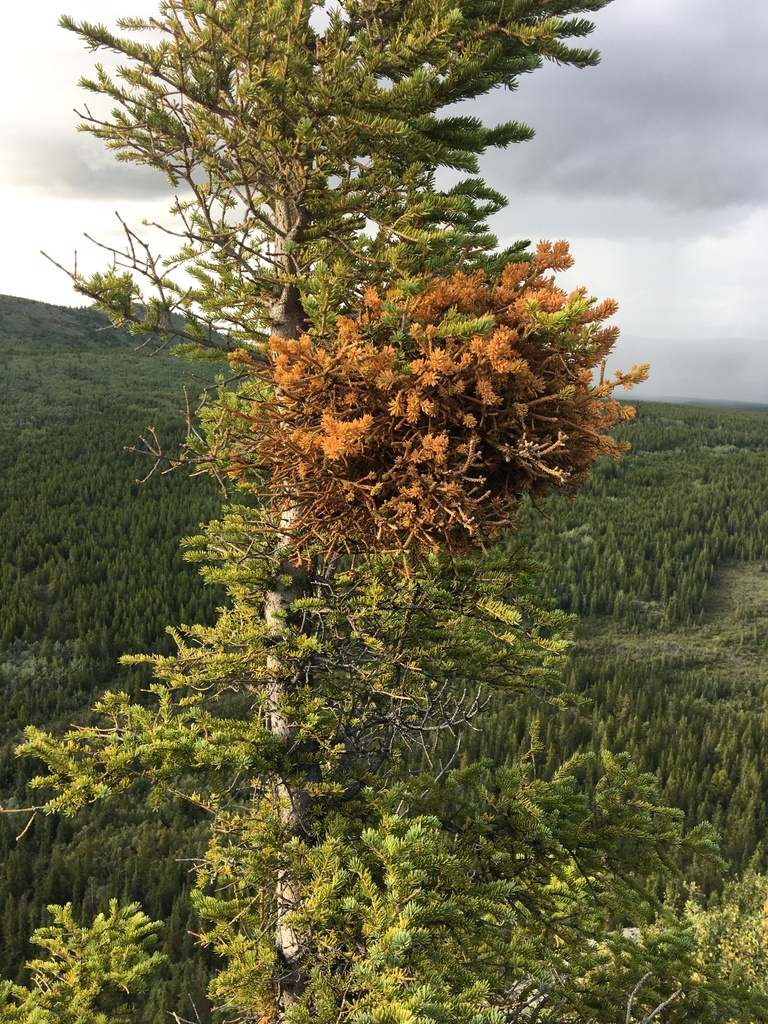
x=292 y=582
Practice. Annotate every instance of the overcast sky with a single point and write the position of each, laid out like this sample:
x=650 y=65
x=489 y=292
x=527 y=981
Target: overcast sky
x=654 y=165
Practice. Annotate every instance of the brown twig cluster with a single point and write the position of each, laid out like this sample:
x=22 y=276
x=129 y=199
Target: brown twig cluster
x=426 y=417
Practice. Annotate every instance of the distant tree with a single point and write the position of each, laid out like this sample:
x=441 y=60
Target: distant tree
x=399 y=386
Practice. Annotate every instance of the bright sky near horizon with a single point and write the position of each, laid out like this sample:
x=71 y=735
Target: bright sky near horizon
x=654 y=165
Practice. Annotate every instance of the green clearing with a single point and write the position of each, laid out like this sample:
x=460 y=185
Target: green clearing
x=731 y=634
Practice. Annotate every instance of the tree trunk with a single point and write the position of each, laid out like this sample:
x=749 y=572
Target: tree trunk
x=286 y=313
x=292 y=797
x=291 y=583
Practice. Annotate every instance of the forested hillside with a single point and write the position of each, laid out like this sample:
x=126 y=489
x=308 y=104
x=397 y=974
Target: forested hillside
x=90 y=559
x=91 y=568
x=663 y=559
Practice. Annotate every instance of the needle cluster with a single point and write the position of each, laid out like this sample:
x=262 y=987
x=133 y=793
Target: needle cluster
x=432 y=411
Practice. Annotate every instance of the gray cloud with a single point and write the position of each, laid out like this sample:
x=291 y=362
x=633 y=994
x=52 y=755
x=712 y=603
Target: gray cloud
x=58 y=163
x=676 y=114
x=721 y=369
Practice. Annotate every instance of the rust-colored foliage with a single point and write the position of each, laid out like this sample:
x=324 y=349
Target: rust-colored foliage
x=425 y=419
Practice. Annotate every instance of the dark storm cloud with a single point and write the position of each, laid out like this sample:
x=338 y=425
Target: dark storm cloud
x=676 y=114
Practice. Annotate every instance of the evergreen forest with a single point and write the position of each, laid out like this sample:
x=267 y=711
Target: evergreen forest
x=91 y=568
x=662 y=560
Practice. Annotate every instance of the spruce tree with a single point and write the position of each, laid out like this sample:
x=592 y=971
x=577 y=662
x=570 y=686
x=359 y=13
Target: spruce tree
x=397 y=387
